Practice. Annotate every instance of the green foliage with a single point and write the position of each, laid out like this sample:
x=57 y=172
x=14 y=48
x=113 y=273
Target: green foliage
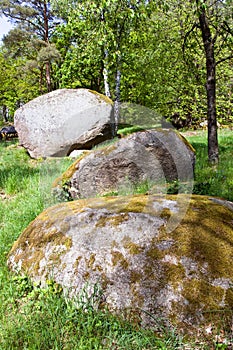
x=81 y=58
x=18 y=82
x=155 y=45
x=96 y=39
x=162 y=63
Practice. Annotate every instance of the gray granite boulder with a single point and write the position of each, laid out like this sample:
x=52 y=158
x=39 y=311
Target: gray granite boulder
x=152 y=156
x=56 y=123
x=118 y=251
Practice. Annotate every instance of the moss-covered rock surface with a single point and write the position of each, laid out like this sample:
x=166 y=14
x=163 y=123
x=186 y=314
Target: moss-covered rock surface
x=120 y=247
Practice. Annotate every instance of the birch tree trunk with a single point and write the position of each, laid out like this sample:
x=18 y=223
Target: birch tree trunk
x=117 y=96
x=105 y=75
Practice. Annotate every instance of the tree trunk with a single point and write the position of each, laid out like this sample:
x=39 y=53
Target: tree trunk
x=46 y=39
x=105 y=75
x=105 y=62
x=208 y=41
x=117 y=96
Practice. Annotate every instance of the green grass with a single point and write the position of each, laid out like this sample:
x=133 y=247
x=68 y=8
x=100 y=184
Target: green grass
x=37 y=318
x=213 y=180
x=32 y=317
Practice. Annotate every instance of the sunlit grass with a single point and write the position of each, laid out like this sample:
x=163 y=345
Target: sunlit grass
x=214 y=180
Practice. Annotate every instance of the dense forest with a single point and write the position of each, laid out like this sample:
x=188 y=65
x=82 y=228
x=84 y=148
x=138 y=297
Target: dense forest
x=175 y=57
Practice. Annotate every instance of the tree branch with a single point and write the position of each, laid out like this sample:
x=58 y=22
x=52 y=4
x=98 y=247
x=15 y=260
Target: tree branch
x=19 y=18
x=224 y=59
x=227 y=28
x=195 y=25
x=221 y=44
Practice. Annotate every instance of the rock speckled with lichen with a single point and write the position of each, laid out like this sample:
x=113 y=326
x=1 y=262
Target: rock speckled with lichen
x=56 y=123
x=150 y=156
x=120 y=246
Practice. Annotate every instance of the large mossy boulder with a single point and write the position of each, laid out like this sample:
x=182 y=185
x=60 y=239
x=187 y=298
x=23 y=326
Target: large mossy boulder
x=63 y=120
x=151 y=156
x=121 y=247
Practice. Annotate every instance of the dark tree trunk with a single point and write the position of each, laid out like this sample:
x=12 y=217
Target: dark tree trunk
x=46 y=22
x=46 y=39
x=208 y=41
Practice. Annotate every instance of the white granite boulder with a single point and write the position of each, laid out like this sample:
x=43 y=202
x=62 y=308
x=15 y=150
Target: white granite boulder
x=56 y=123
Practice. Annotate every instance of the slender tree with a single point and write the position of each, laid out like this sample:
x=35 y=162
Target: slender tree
x=109 y=26
x=214 y=24
x=209 y=47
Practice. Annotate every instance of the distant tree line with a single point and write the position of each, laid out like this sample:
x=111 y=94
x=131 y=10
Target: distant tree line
x=172 y=56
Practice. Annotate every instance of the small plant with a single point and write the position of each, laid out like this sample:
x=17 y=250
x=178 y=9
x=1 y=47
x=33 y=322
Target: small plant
x=23 y=285
x=90 y=297
x=176 y=187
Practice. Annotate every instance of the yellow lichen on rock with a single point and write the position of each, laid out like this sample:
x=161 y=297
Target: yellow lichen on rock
x=65 y=177
x=101 y=97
